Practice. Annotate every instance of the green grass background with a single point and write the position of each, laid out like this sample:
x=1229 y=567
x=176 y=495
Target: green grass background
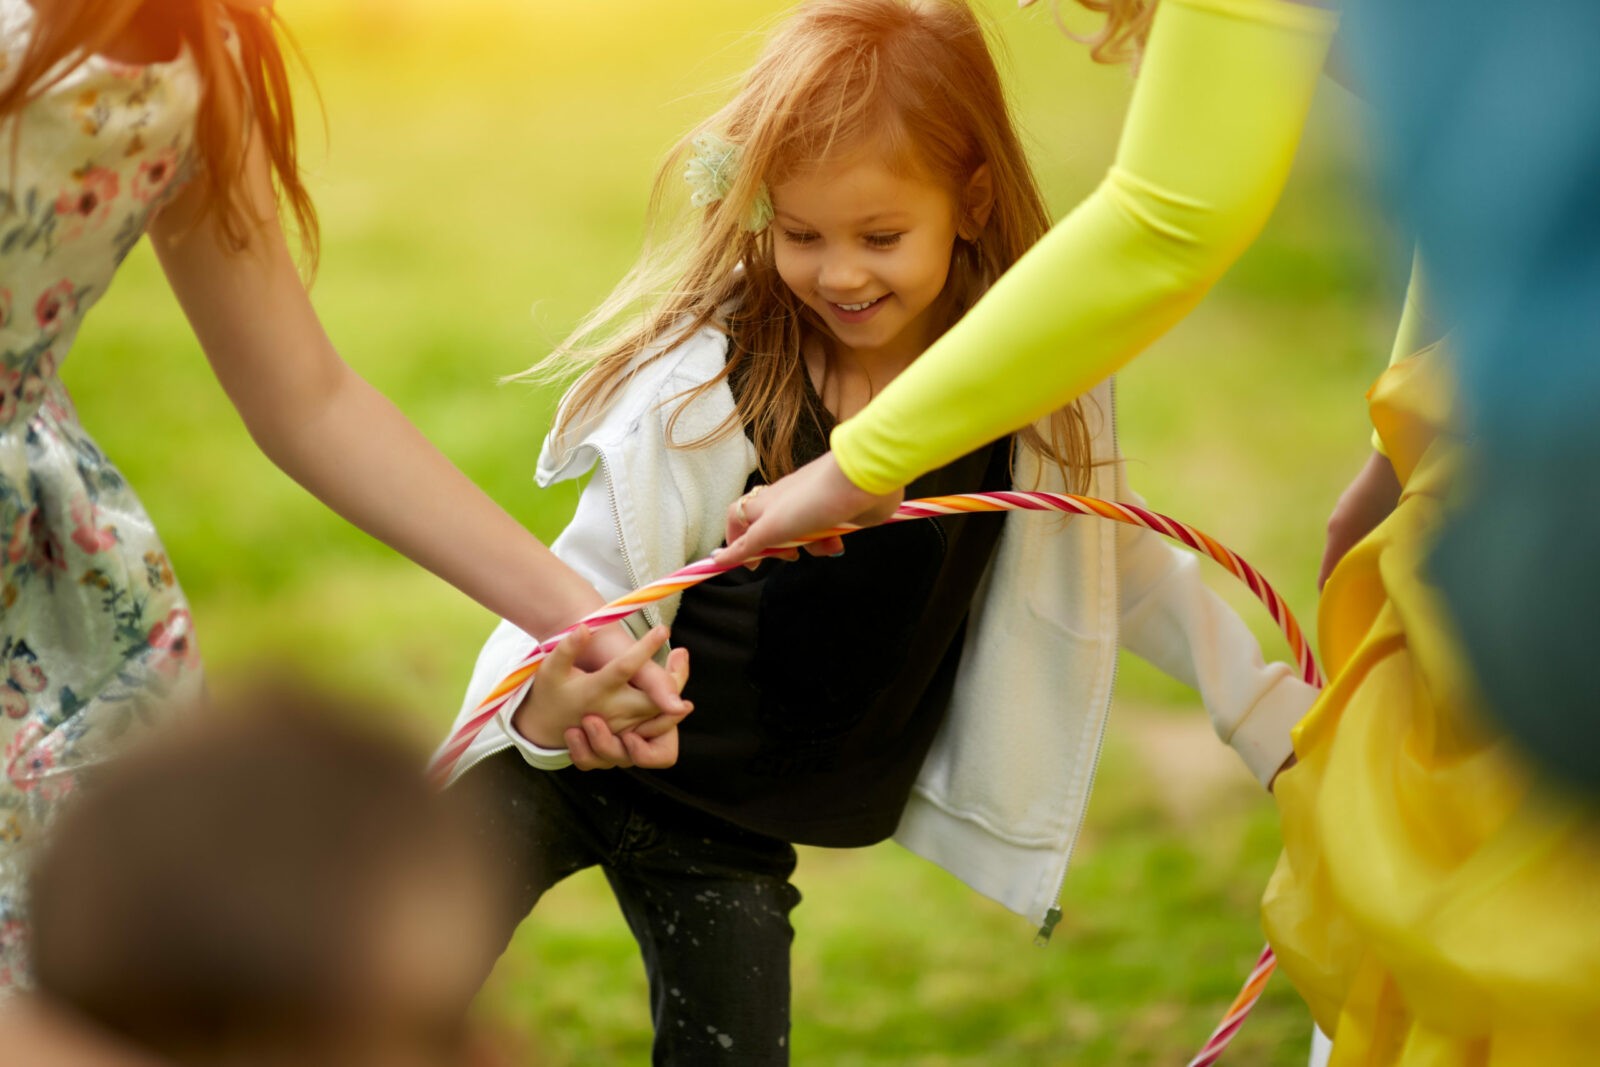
x=482 y=183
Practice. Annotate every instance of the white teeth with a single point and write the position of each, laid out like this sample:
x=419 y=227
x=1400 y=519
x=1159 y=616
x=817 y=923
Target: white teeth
x=857 y=307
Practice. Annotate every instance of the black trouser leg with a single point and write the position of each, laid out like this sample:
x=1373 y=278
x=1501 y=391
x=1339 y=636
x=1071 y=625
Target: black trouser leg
x=709 y=905
x=708 y=901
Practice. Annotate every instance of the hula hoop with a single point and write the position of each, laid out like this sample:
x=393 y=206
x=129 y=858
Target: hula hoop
x=515 y=684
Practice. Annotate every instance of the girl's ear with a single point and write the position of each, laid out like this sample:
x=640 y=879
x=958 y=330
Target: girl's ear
x=977 y=201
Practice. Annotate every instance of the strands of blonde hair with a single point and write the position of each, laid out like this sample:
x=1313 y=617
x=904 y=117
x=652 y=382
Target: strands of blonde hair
x=1122 y=36
x=238 y=97
x=912 y=78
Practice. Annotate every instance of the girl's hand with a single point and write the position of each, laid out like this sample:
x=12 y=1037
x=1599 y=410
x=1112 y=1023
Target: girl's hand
x=593 y=746
x=563 y=695
x=655 y=682
x=1366 y=502
x=816 y=497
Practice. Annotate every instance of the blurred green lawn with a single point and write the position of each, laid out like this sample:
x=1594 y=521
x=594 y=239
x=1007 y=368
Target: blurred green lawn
x=483 y=183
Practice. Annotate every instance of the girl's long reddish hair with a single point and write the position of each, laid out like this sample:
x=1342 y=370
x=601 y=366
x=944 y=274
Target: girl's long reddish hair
x=237 y=96
x=914 y=77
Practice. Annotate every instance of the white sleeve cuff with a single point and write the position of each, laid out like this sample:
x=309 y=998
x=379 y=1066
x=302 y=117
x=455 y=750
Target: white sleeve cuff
x=1262 y=737
x=539 y=758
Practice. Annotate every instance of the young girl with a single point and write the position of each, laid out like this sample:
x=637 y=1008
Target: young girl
x=945 y=681
x=119 y=116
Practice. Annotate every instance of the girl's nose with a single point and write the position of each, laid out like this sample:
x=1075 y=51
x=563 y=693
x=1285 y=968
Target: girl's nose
x=840 y=274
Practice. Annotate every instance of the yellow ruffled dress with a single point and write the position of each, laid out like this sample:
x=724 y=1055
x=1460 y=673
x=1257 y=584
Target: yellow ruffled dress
x=1436 y=902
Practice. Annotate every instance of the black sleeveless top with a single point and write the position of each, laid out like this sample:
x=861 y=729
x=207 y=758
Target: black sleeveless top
x=818 y=685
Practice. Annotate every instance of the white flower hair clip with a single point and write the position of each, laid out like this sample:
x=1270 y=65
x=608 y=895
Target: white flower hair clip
x=710 y=173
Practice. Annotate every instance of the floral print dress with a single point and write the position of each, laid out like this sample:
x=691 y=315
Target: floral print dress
x=95 y=634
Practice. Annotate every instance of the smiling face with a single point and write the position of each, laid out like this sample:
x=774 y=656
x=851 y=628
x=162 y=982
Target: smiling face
x=868 y=249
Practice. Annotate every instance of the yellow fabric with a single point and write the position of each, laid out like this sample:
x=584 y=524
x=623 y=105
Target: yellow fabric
x=1211 y=133
x=1434 y=904
x=1418 y=328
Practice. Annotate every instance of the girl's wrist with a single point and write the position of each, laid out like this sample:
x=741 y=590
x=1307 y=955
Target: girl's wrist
x=553 y=600
x=528 y=724
x=544 y=757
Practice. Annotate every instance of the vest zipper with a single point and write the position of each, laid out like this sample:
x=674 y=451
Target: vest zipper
x=650 y=613
x=1052 y=917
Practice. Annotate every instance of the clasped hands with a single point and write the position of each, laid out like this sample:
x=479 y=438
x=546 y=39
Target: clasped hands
x=625 y=713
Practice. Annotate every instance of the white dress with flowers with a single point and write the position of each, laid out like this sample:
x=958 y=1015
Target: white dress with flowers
x=95 y=635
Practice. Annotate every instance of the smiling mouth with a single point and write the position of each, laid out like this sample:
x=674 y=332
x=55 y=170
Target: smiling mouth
x=860 y=307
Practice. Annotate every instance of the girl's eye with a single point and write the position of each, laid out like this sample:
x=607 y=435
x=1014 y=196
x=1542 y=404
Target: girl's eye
x=883 y=240
x=799 y=237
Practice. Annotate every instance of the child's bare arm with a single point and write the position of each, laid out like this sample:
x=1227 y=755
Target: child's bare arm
x=336 y=435
x=1366 y=502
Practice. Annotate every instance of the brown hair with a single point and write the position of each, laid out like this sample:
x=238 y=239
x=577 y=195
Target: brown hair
x=216 y=891
x=237 y=95
x=915 y=76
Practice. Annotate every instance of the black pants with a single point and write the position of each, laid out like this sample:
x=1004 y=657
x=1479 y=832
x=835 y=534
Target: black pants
x=707 y=901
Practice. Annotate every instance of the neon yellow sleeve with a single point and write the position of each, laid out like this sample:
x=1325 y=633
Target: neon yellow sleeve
x=1210 y=135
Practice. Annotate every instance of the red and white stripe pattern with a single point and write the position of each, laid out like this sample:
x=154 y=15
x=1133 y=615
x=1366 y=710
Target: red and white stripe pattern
x=1132 y=515
x=516 y=682
x=1266 y=963
x=512 y=687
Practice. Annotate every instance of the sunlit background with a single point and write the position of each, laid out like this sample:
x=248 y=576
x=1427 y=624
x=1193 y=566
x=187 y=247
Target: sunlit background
x=482 y=183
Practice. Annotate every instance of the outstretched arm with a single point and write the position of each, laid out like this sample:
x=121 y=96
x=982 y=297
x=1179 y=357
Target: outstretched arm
x=1211 y=133
x=341 y=439
x=1171 y=619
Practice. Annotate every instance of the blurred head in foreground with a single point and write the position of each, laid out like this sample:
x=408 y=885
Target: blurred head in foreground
x=269 y=887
